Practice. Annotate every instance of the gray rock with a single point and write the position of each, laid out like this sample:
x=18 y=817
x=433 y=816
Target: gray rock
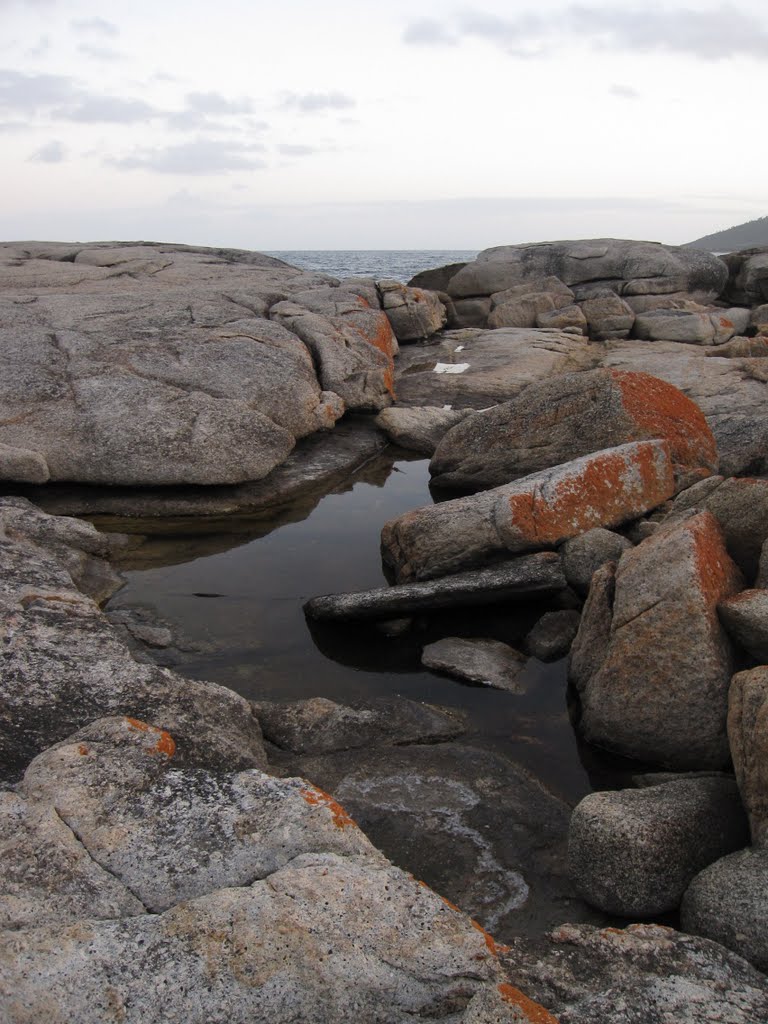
x=318 y=725
x=420 y=429
x=643 y=974
x=747 y=277
x=556 y=420
x=498 y=365
x=728 y=392
x=484 y=662
x=536 y=512
x=654 y=684
x=742 y=348
x=728 y=902
x=23 y=465
x=523 y=310
x=414 y=313
x=553 y=634
x=563 y=318
x=748 y=736
x=633 y=852
x=583 y=555
x=701 y=327
x=608 y=316
x=539 y=574
x=745 y=616
x=470 y=312
x=759 y=318
x=761 y=580
x=435 y=280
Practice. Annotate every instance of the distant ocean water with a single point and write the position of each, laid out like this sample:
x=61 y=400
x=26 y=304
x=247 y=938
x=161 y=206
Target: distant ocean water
x=398 y=264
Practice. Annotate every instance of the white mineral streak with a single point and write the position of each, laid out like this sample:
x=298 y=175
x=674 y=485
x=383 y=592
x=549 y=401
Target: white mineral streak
x=451 y=367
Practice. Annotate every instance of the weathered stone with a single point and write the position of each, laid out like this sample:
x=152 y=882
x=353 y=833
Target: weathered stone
x=748 y=736
x=470 y=313
x=747 y=277
x=522 y=310
x=740 y=507
x=728 y=902
x=553 y=634
x=21 y=464
x=539 y=511
x=742 y=348
x=633 y=852
x=643 y=974
x=496 y=366
x=554 y=421
x=480 y=661
x=759 y=318
x=697 y=328
x=745 y=616
x=435 y=280
x=563 y=318
x=607 y=315
x=655 y=688
x=761 y=580
x=583 y=555
x=318 y=725
x=539 y=574
x=413 y=312
x=419 y=429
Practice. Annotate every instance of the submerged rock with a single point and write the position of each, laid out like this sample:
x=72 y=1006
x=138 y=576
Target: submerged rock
x=480 y=661
x=634 y=852
x=539 y=511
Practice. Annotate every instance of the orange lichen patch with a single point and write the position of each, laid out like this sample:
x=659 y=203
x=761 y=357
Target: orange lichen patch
x=535 y=1012
x=725 y=322
x=165 y=742
x=494 y=947
x=606 y=490
x=376 y=330
x=27 y=599
x=82 y=750
x=318 y=798
x=718 y=576
x=447 y=902
x=662 y=411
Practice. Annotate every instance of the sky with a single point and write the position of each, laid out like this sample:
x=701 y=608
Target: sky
x=350 y=124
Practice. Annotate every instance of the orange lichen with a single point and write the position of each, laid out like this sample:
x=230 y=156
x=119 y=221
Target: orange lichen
x=165 y=742
x=535 y=1012
x=718 y=576
x=725 y=322
x=608 y=489
x=381 y=337
x=318 y=798
x=82 y=750
x=494 y=947
x=662 y=411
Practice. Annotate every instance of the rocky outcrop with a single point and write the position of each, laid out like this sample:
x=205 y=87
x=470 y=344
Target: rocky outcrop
x=644 y=973
x=633 y=852
x=537 y=512
x=652 y=663
x=158 y=364
x=556 y=420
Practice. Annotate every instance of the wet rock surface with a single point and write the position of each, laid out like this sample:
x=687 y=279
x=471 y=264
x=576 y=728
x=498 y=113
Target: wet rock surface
x=477 y=661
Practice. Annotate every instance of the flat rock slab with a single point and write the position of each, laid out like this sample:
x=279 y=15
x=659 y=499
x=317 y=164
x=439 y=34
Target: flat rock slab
x=643 y=973
x=531 y=575
x=652 y=663
x=555 y=421
x=536 y=512
x=479 y=661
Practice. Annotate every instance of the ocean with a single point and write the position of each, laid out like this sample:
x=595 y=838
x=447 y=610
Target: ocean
x=396 y=264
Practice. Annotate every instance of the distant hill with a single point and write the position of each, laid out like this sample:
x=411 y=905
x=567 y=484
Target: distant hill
x=743 y=236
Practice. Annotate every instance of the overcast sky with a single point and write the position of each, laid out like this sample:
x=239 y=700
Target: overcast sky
x=356 y=124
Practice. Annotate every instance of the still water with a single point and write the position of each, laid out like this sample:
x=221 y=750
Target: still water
x=236 y=589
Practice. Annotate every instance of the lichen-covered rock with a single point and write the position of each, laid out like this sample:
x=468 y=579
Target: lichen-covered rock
x=553 y=634
x=654 y=685
x=420 y=429
x=554 y=421
x=728 y=902
x=634 y=851
x=479 y=661
x=745 y=616
x=584 y=555
x=414 y=313
x=536 y=512
x=643 y=974
x=748 y=735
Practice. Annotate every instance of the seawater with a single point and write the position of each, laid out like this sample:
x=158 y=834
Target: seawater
x=395 y=264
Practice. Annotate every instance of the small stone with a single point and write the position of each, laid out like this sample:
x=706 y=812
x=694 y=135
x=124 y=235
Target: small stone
x=553 y=634
x=484 y=662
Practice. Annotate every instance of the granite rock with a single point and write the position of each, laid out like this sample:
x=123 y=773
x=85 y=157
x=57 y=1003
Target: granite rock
x=420 y=429
x=583 y=555
x=478 y=661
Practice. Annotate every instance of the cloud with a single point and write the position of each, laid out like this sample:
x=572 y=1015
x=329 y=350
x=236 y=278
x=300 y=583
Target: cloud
x=317 y=102
x=52 y=152
x=716 y=34
x=101 y=52
x=22 y=93
x=215 y=103
x=107 y=110
x=41 y=47
x=624 y=92
x=428 y=32
x=201 y=156
x=98 y=25
x=291 y=149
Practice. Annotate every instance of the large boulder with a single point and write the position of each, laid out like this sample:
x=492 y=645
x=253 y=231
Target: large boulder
x=608 y=316
x=745 y=616
x=554 y=421
x=537 y=512
x=634 y=851
x=414 y=313
x=643 y=974
x=696 y=328
x=748 y=735
x=626 y=267
x=158 y=364
x=728 y=902
x=652 y=664
x=747 y=277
